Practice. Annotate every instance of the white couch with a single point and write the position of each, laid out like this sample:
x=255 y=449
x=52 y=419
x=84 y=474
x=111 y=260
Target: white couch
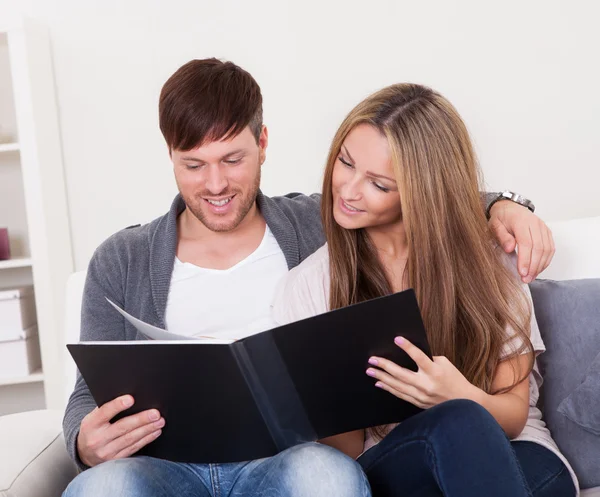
x=33 y=459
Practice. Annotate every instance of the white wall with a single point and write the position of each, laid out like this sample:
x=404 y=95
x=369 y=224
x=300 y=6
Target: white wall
x=524 y=75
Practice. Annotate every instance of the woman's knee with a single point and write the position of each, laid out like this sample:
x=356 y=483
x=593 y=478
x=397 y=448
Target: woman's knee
x=315 y=469
x=466 y=419
x=464 y=411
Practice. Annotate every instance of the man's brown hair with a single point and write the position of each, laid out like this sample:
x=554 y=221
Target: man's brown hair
x=208 y=100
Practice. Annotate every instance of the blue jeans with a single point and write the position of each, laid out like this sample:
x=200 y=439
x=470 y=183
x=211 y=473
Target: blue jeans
x=307 y=470
x=457 y=449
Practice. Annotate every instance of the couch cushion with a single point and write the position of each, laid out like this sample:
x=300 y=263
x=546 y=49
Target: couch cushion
x=33 y=456
x=583 y=405
x=591 y=492
x=568 y=314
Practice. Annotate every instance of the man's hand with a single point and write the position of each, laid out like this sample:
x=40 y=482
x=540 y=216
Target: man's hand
x=99 y=440
x=516 y=226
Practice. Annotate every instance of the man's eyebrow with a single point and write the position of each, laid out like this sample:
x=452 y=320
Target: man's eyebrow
x=228 y=154
x=234 y=152
x=369 y=173
x=192 y=159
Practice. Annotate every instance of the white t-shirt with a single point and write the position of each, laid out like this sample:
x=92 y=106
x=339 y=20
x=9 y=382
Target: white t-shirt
x=305 y=293
x=232 y=303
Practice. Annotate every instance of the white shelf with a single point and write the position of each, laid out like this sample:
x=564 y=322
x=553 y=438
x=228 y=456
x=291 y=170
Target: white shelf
x=35 y=377
x=15 y=263
x=37 y=194
x=9 y=147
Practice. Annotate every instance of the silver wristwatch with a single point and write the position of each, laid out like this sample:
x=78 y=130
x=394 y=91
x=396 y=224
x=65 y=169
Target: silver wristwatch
x=515 y=197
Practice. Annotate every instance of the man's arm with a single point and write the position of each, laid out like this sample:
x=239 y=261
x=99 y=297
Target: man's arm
x=89 y=435
x=97 y=323
x=516 y=227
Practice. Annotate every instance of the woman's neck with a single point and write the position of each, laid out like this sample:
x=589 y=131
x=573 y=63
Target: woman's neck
x=390 y=241
x=392 y=249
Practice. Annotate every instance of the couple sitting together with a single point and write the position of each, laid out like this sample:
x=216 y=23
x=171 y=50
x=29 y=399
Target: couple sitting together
x=401 y=208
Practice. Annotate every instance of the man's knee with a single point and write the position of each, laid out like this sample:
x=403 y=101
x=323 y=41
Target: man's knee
x=314 y=469
x=118 y=478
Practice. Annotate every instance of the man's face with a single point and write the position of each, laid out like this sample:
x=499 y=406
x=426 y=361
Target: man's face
x=219 y=181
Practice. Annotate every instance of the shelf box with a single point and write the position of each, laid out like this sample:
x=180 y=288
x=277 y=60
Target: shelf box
x=35 y=377
x=9 y=147
x=17 y=313
x=16 y=263
x=20 y=357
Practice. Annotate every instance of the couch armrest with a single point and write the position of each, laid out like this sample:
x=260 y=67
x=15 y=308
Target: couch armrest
x=33 y=457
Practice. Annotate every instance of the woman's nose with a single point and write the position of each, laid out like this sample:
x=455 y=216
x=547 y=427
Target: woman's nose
x=351 y=189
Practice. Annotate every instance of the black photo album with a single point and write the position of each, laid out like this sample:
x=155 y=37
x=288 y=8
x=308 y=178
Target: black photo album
x=228 y=401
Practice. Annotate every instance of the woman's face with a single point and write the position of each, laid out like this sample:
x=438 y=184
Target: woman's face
x=365 y=193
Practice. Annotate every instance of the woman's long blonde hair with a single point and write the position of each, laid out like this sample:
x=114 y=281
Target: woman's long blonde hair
x=467 y=295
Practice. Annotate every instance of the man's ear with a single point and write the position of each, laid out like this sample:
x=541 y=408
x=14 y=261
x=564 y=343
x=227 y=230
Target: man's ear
x=263 y=142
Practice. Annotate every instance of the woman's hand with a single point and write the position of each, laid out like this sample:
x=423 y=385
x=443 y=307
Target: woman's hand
x=435 y=382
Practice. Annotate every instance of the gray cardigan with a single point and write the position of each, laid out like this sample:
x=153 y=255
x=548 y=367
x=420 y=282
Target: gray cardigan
x=133 y=268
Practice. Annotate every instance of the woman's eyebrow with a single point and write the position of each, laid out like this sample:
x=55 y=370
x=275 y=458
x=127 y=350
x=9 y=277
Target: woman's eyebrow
x=369 y=173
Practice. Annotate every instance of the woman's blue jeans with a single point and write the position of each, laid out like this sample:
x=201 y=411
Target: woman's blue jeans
x=457 y=449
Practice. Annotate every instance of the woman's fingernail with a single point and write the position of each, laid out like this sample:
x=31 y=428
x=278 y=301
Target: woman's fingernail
x=399 y=340
x=370 y=372
x=524 y=271
x=373 y=361
x=379 y=384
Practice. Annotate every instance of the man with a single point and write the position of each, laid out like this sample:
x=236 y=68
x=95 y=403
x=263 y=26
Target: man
x=210 y=267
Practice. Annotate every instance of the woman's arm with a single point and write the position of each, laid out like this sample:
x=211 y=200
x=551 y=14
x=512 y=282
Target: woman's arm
x=510 y=408
x=438 y=381
x=350 y=443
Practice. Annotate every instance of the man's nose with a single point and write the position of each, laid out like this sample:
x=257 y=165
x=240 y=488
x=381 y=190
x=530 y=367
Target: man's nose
x=216 y=182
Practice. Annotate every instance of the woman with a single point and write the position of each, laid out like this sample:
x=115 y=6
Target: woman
x=401 y=209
